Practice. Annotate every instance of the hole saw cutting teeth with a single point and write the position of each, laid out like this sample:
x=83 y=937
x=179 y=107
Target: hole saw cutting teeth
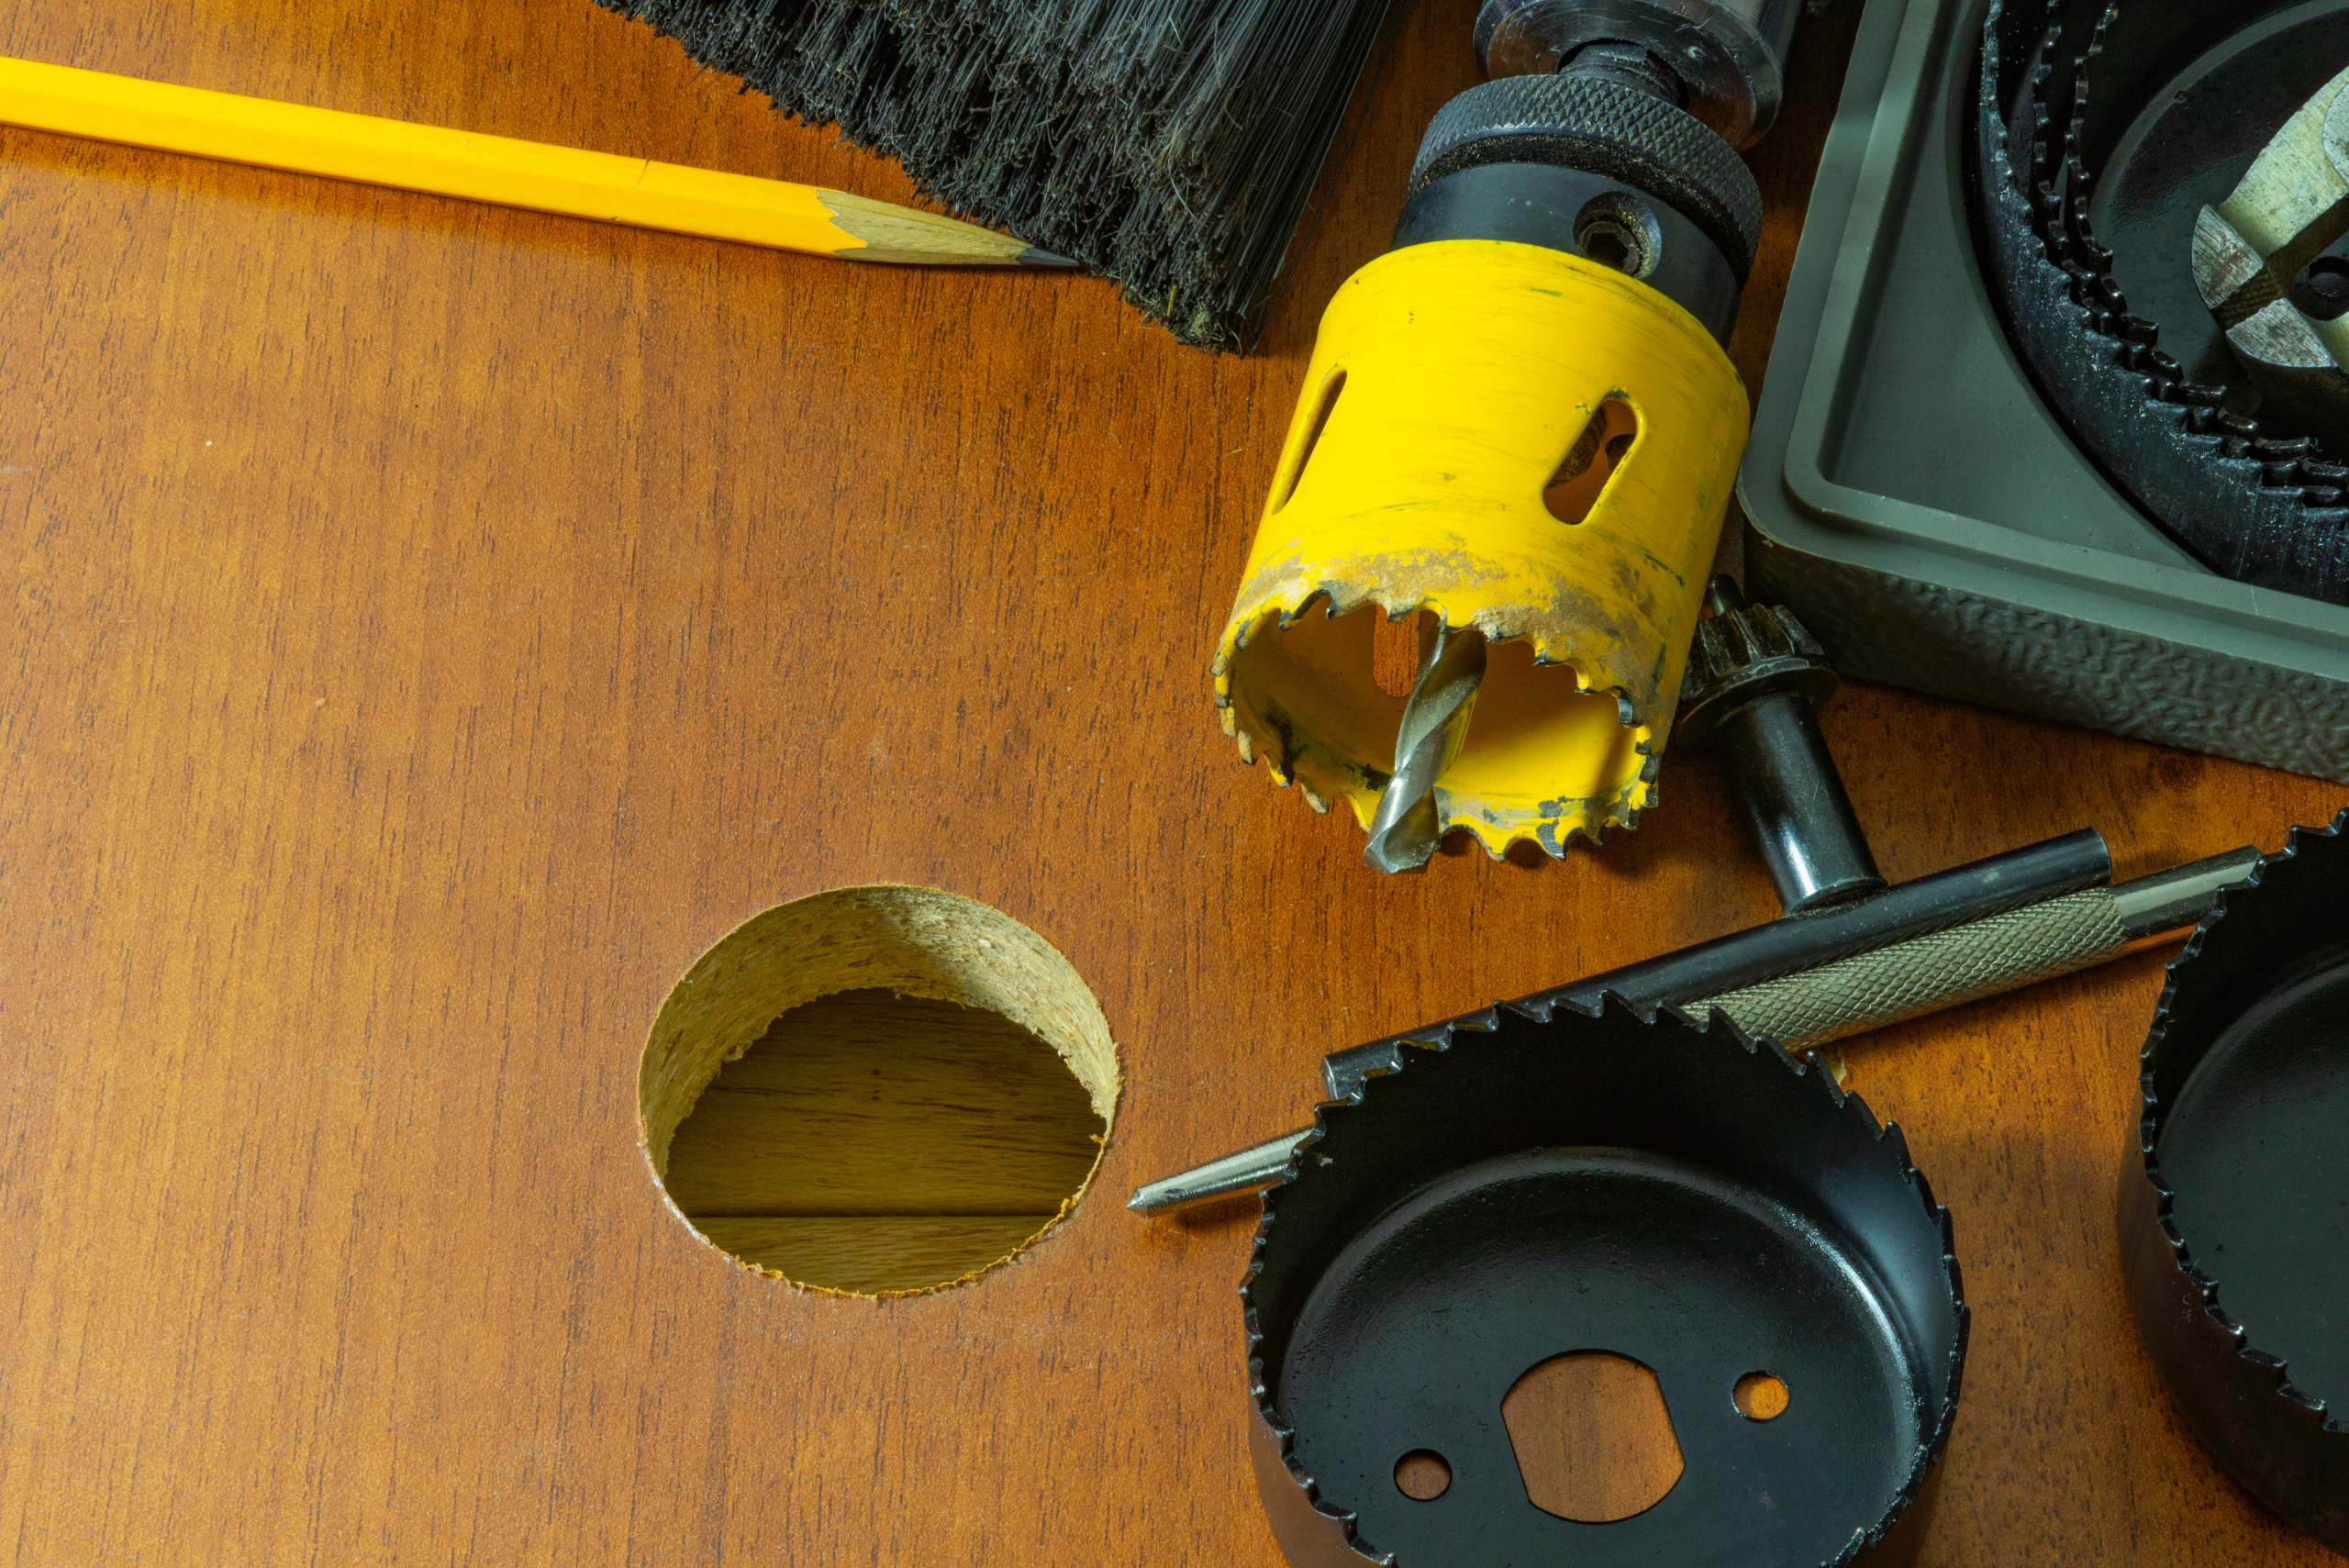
x=1464 y=745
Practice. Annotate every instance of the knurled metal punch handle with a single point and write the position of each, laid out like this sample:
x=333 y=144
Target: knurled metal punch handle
x=1823 y=994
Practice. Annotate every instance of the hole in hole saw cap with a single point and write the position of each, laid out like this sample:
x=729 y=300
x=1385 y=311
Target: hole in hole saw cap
x=1760 y=1396
x=1422 y=1475
x=1593 y=1440
x=877 y=1090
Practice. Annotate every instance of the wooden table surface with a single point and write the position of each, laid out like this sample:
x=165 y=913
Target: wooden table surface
x=432 y=627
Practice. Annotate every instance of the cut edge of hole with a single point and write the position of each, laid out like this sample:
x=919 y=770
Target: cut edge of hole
x=1046 y=1225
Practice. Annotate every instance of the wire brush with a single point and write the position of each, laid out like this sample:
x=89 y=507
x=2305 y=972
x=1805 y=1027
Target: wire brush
x=1168 y=144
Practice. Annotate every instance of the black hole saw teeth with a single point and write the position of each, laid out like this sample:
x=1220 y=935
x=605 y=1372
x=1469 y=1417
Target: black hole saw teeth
x=1538 y=1182
x=2234 y=1203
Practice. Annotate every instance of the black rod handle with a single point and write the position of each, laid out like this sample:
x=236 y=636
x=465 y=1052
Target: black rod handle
x=1794 y=801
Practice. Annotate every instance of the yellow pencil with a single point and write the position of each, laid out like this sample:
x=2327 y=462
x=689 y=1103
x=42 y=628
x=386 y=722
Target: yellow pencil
x=601 y=185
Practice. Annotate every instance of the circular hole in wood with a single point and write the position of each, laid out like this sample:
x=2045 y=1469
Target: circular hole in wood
x=1760 y=1396
x=1594 y=1442
x=877 y=1090
x=1422 y=1475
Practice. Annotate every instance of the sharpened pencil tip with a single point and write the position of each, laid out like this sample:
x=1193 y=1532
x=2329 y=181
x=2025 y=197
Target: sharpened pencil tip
x=1032 y=256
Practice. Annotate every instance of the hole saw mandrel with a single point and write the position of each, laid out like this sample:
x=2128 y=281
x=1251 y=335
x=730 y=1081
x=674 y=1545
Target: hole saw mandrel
x=1728 y=56
x=1518 y=436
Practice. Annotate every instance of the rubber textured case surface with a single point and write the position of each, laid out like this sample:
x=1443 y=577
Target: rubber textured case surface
x=1910 y=494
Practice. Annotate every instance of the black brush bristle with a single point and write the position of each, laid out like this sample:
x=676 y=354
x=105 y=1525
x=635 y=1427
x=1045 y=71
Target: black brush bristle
x=1171 y=145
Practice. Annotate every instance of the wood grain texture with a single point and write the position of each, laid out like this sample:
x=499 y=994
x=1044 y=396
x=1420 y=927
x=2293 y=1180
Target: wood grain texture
x=432 y=627
x=873 y=1142
x=1592 y=1437
x=866 y=1102
x=869 y=1254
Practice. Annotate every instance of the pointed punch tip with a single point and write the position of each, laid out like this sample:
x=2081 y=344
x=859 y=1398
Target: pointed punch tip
x=1032 y=256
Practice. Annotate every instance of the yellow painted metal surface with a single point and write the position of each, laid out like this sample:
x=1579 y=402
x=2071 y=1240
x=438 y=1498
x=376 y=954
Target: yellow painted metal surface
x=1447 y=387
x=374 y=151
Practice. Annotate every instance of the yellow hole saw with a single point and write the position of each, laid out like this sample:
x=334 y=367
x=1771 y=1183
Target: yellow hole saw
x=1516 y=442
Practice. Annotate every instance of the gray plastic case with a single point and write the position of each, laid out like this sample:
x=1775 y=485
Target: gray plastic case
x=1914 y=499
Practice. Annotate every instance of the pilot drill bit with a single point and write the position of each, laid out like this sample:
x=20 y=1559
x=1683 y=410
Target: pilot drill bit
x=1406 y=829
